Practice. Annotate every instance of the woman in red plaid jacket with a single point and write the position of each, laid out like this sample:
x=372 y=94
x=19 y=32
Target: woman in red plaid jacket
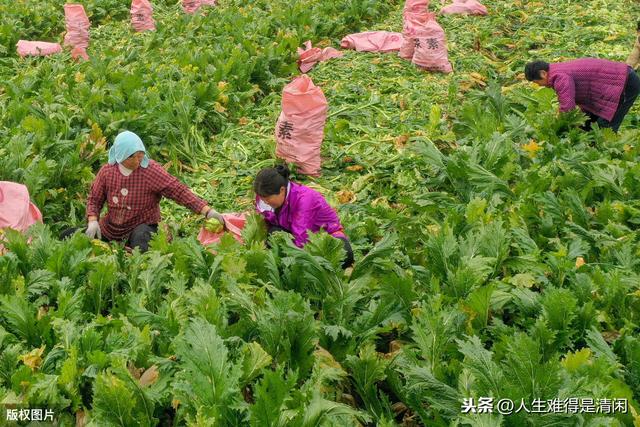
x=132 y=185
x=603 y=90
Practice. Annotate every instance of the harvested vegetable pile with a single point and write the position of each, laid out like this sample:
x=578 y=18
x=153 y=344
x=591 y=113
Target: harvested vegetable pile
x=496 y=243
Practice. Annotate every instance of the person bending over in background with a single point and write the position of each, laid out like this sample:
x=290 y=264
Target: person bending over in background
x=132 y=186
x=633 y=60
x=296 y=209
x=604 y=90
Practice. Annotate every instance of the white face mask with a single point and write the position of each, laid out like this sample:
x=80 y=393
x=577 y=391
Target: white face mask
x=263 y=206
x=124 y=171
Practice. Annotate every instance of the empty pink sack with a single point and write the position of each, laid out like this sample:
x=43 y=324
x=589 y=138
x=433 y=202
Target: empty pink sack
x=300 y=127
x=191 y=6
x=431 y=48
x=418 y=6
x=412 y=21
x=142 y=16
x=77 y=36
x=373 y=41
x=469 y=7
x=16 y=209
x=310 y=56
x=34 y=48
x=234 y=224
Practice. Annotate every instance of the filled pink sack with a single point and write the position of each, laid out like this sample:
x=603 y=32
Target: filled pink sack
x=77 y=36
x=431 y=48
x=416 y=6
x=142 y=16
x=373 y=41
x=16 y=209
x=234 y=224
x=191 y=6
x=34 y=48
x=300 y=127
x=469 y=7
x=412 y=22
x=309 y=56
x=209 y=2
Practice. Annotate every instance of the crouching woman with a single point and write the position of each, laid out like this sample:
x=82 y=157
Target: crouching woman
x=296 y=209
x=132 y=186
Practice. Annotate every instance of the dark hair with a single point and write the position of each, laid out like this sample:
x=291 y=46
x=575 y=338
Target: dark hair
x=269 y=181
x=532 y=70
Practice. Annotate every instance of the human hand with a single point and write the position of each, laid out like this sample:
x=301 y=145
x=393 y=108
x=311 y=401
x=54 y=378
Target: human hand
x=213 y=214
x=93 y=230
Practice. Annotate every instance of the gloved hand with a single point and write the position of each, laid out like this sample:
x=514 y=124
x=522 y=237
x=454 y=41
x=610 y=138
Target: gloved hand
x=93 y=230
x=213 y=214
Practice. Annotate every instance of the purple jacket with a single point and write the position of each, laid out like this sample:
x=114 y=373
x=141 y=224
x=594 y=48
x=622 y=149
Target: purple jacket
x=594 y=85
x=304 y=209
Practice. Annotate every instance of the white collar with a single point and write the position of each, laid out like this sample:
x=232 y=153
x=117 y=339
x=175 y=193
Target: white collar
x=124 y=171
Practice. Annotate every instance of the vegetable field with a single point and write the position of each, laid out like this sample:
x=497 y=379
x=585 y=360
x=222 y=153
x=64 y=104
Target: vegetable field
x=496 y=243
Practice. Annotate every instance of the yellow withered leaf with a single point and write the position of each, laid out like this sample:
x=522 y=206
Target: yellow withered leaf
x=346 y=196
x=33 y=359
x=401 y=141
x=477 y=76
x=218 y=107
x=149 y=377
x=81 y=419
x=326 y=359
x=532 y=148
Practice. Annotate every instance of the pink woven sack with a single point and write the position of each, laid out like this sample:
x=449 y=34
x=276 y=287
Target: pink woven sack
x=309 y=56
x=300 y=127
x=234 y=223
x=209 y=2
x=468 y=7
x=431 y=48
x=142 y=16
x=77 y=36
x=373 y=41
x=413 y=21
x=416 y=6
x=16 y=209
x=35 y=48
x=191 y=6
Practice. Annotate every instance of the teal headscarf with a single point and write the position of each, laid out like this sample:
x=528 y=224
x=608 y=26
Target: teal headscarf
x=126 y=144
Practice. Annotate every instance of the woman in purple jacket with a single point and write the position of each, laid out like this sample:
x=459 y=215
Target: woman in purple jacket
x=296 y=209
x=604 y=90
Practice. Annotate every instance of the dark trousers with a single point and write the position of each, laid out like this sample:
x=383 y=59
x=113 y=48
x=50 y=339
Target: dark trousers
x=139 y=237
x=628 y=97
x=348 y=261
